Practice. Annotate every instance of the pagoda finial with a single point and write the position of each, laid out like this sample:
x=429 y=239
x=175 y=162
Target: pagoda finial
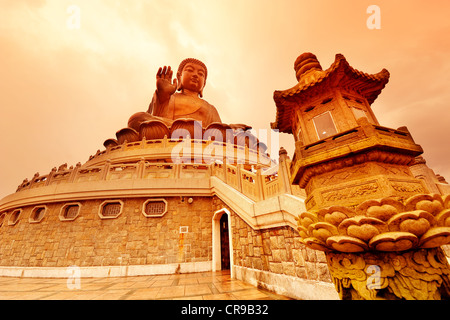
x=304 y=63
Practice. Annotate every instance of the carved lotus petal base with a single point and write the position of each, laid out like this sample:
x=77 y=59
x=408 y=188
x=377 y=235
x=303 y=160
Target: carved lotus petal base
x=181 y=128
x=153 y=129
x=246 y=138
x=435 y=237
x=422 y=221
x=346 y=244
x=443 y=218
x=393 y=241
x=110 y=143
x=316 y=244
x=218 y=132
x=127 y=135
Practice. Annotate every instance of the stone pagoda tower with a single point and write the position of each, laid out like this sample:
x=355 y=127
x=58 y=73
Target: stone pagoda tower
x=378 y=225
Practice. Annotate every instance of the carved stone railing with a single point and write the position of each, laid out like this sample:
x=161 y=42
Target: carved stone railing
x=255 y=184
x=119 y=162
x=252 y=183
x=183 y=150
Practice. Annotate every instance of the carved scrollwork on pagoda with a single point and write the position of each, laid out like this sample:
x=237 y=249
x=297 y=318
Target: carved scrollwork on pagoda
x=412 y=275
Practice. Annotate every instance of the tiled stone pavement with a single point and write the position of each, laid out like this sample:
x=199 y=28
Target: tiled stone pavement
x=193 y=286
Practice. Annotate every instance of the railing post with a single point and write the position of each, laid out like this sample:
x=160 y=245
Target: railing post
x=50 y=176
x=178 y=170
x=106 y=169
x=210 y=171
x=284 y=174
x=74 y=173
x=140 y=168
x=224 y=167
x=239 y=176
x=259 y=183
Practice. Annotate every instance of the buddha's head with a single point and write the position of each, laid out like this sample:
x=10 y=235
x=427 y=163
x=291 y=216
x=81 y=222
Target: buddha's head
x=191 y=75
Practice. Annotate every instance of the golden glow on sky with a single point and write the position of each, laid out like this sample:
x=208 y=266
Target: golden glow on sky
x=64 y=89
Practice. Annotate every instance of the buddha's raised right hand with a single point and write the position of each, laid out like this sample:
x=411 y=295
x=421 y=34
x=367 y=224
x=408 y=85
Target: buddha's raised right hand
x=164 y=85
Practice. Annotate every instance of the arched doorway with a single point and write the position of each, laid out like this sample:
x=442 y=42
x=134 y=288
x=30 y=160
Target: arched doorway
x=222 y=242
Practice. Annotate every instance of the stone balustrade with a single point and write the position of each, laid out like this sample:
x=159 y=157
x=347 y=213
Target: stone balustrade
x=101 y=176
x=182 y=150
x=109 y=165
x=254 y=185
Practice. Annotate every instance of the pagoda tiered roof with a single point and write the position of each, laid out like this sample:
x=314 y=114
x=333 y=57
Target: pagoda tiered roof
x=339 y=74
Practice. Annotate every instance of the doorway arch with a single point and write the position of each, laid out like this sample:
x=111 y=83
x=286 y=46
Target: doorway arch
x=221 y=216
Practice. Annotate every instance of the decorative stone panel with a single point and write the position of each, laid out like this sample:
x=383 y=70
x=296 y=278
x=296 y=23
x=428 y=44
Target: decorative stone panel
x=37 y=214
x=110 y=209
x=14 y=217
x=154 y=208
x=70 y=211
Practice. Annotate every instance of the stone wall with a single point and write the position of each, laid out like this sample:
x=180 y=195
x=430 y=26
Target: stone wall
x=129 y=239
x=276 y=250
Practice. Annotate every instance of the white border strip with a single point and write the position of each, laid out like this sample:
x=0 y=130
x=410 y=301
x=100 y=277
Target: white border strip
x=106 y=271
x=290 y=286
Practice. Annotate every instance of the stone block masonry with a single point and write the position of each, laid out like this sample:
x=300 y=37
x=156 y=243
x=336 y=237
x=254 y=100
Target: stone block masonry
x=276 y=250
x=129 y=239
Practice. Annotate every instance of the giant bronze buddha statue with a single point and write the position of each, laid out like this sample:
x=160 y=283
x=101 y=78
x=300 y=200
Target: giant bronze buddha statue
x=168 y=105
x=178 y=109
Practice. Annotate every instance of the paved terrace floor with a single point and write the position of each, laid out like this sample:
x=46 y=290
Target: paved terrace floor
x=193 y=286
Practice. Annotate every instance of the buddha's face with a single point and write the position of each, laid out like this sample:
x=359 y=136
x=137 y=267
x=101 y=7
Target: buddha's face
x=193 y=77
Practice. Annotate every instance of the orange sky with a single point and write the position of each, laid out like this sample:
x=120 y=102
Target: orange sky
x=63 y=92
